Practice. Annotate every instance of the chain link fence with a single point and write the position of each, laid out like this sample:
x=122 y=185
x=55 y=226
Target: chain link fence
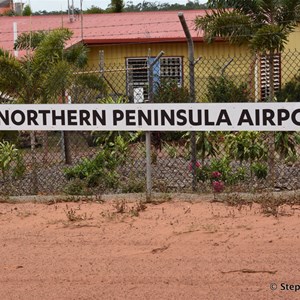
x=82 y=163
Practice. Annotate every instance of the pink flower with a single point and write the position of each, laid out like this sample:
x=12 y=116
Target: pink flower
x=218 y=186
x=197 y=165
x=216 y=174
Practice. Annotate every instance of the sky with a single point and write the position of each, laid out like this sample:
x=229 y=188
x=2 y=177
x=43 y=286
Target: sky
x=51 y=5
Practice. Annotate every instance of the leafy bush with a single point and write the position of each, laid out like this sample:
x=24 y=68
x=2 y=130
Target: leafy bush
x=246 y=145
x=286 y=143
x=168 y=91
x=290 y=92
x=221 y=89
x=109 y=137
x=260 y=170
x=11 y=160
x=219 y=170
x=101 y=170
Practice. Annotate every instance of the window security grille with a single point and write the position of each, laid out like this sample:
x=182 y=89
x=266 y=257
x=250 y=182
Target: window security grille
x=138 y=75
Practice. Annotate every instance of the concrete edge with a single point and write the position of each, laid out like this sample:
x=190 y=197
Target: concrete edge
x=156 y=197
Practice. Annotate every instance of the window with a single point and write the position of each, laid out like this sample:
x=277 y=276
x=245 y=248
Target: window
x=138 y=75
x=265 y=75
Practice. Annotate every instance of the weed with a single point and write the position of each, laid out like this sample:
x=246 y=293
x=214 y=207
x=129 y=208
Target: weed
x=236 y=199
x=137 y=208
x=210 y=228
x=25 y=214
x=73 y=216
x=120 y=206
x=76 y=187
x=134 y=185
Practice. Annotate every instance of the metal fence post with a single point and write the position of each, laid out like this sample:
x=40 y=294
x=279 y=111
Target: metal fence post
x=192 y=92
x=148 y=133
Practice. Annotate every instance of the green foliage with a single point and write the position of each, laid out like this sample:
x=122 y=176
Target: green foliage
x=207 y=144
x=287 y=143
x=93 y=10
x=11 y=160
x=10 y=136
x=171 y=150
x=109 y=137
x=44 y=75
x=117 y=6
x=29 y=41
x=270 y=38
x=264 y=25
x=221 y=90
x=76 y=187
x=246 y=145
x=168 y=91
x=165 y=6
x=290 y=92
x=101 y=170
x=229 y=175
x=259 y=169
x=134 y=185
x=27 y=10
x=220 y=170
x=9 y=13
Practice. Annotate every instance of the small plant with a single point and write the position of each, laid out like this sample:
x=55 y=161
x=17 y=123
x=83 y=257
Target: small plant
x=290 y=91
x=260 y=170
x=222 y=89
x=120 y=206
x=246 y=146
x=9 y=156
x=218 y=186
x=220 y=172
x=137 y=208
x=286 y=143
x=168 y=91
x=73 y=216
x=171 y=150
x=76 y=187
x=133 y=185
x=102 y=169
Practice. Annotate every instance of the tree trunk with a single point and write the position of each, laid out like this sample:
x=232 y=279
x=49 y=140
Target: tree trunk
x=34 y=178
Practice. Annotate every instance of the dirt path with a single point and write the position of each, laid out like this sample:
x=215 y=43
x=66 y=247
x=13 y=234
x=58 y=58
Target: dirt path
x=174 y=250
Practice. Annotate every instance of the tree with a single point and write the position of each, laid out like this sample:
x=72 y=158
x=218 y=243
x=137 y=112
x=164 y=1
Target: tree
x=27 y=11
x=263 y=24
x=93 y=10
x=44 y=74
x=117 y=6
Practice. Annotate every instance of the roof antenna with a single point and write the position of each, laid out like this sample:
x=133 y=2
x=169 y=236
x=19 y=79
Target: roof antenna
x=71 y=11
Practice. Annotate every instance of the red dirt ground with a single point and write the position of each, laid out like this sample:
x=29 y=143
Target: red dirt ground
x=173 y=250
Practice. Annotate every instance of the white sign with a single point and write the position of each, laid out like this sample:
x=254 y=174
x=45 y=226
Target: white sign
x=152 y=117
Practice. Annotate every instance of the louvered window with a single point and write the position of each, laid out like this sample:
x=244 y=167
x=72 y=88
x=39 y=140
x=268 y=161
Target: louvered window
x=265 y=75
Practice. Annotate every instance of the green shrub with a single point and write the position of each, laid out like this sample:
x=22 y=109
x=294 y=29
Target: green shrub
x=221 y=89
x=246 y=145
x=260 y=170
x=102 y=169
x=290 y=91
x=168 y=91
x=11 y=160
x=220 y=170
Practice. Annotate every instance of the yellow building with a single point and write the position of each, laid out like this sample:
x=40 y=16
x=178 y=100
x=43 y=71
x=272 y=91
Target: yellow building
x=122 y=45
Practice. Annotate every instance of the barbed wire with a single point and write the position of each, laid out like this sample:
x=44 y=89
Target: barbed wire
x=139 y=23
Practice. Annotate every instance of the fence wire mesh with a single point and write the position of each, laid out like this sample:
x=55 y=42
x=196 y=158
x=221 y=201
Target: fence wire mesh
x=115 y=162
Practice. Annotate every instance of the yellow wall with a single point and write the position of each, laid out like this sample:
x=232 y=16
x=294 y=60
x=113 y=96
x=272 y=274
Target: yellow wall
x=214 y=57
x=116 y=54
x=294 y=40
